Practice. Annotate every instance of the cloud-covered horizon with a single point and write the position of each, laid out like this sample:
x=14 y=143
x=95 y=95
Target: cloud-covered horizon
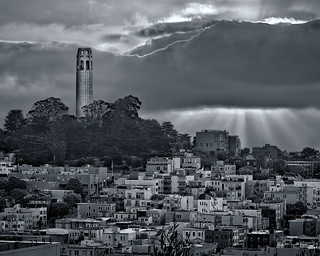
x=187 y=57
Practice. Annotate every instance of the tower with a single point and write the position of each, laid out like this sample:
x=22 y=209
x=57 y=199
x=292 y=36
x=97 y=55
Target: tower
x=84 y=77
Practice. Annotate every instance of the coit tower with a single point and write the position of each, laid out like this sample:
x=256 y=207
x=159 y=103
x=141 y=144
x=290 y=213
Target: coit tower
x=84 y=76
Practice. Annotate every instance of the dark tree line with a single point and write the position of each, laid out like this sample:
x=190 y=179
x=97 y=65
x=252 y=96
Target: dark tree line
x=48 y=134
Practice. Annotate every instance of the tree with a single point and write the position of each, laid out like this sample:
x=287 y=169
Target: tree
x=18 y=195
x=127 y=107
x=172 y=244
x=14 y=120
x=169 y=131
x=297 y=210
x=293 y=211
x=75 y=185
x=45 y=112
x=59 y=210
x=56 y=143
x=308 y=153
x=2 y=203
x=72 y=199
x=171 y=135
x=95 y=111
x=15 y=183
x=184 y=141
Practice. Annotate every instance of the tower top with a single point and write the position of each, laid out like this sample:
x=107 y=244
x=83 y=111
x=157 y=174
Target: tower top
x=84 y=59
x=84 y=51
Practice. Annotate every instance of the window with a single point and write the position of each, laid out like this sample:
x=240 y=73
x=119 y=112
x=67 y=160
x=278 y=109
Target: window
x=81 y=65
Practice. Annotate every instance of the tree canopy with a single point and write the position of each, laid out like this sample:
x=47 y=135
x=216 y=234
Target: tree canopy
x=59 y=210
x=14 y=120
x=50 y=135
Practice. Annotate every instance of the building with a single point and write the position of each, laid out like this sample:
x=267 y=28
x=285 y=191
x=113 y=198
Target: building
x=260 y=239
x=212 y=141
x=193 y=233
x=156 y=185
x=116 y=237
x=160 y=164
x=256 y=188
x=231 y=220
x=29 y=248
x=269 y=151
x=96 y=210
x=303 y=168
x=44 y=177
x=84 y=79
x=208 y=204
x=178 y=202
x=23 y=219
x=234 y=145
x=308 y=225
x=225 y=237
x=189 y=160
x=221 y=169
x=87 y=247
x=291 y=194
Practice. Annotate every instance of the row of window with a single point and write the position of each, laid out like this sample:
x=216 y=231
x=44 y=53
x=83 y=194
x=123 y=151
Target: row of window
x=87 y=65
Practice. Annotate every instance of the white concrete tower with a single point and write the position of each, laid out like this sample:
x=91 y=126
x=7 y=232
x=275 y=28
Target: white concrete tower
x=84 y=77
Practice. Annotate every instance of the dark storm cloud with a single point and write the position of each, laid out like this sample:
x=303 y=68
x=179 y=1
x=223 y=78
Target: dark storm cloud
x=168 y=28
x=231 y=64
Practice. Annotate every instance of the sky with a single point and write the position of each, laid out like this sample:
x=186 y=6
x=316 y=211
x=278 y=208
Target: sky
x=250 y=67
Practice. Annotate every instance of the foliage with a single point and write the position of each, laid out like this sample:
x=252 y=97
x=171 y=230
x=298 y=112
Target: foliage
x=75 y=185
x=293 y=211
x=50 y=135
x=172 y=244
x=95 y=112
x=255 y=199
x=18 y=195
x=12 y=183
x=297 y=210
x=260 y=176
x=14 y=120
x=308 y=153
x=59 y=210
x=2 y=203
x=72 y=199
x=50 y=109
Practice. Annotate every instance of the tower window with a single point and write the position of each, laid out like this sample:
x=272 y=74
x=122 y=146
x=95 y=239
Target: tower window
x=81 y=65
x=87 y=65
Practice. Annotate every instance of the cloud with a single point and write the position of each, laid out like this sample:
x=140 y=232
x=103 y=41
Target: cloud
x=119 y=25
x=277 y=20
x=191 y=11
x=230 y=65
x=100 y=37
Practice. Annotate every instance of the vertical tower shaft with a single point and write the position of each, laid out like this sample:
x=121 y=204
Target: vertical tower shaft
x=84 y=77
